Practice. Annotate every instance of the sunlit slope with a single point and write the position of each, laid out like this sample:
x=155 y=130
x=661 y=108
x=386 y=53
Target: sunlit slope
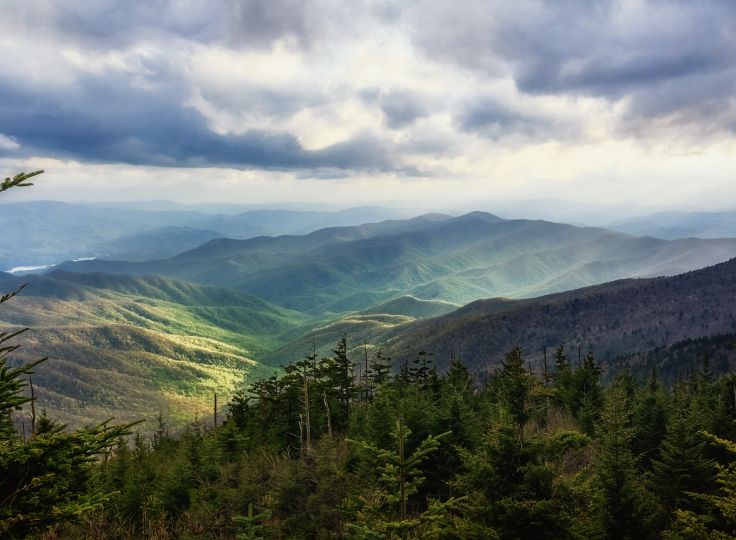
x=615 y=320
x=456 y=260
x=368 y=327
x=129 y=346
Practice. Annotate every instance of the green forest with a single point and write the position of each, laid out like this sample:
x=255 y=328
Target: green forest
x=318 y=452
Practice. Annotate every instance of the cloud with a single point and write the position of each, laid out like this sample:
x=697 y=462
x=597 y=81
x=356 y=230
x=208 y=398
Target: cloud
x=401 y=108
x=108 y=119
x=330 y=89
x=494 y=120
x=616 y=51
x=8 y=142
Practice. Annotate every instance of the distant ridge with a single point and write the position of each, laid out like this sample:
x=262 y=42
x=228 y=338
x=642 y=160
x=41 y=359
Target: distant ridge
x=673 y=225
x=56 y=231
x=432 y=257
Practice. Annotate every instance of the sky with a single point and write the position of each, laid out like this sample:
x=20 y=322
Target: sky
x=608 y=104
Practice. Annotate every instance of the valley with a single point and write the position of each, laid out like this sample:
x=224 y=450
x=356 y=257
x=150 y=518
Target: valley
x=121 y=336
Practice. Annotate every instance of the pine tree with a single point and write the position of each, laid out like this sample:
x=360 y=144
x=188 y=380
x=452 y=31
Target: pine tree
x=649 y=420
x=401 y=475
x=251 y=524
x=562 y=381
x=683 y=467
x=626 y=507
x=587 y=395
x=337 y=376
x=515 y=385
x=718 y=522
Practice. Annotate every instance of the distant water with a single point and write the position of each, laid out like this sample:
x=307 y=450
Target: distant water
x=28 y=268
x=24 y=269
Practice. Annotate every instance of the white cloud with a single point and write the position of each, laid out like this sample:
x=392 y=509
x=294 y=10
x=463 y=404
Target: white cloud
x=8 y=143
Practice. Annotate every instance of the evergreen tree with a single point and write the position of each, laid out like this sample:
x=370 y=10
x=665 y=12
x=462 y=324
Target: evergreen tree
x=718 y=521
x=626 y=509
x=649 y=420
x=515 y=386
x=400 y=476
x=683 y=467
x=251 y=524
x=337 y=375
x=379 y=371
x=587 y=401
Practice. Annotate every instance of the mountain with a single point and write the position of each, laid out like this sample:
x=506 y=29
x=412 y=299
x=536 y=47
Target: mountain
x=672 y=225
x=48 y=232
x=174 y=330
x=132 y=346
x=153 y=244
x=620 y=319
x=434 y=257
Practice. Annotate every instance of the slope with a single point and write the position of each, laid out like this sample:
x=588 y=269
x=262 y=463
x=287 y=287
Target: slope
x=613 y=320
x=131 y=346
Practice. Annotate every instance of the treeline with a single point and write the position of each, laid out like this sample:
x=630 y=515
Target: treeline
x=326 y=450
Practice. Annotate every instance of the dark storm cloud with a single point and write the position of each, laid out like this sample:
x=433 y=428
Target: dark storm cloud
x=671 y=49
x=107 y=24
x=109 y=120
x=260 y=22
x=401 y=108
x=493 y=120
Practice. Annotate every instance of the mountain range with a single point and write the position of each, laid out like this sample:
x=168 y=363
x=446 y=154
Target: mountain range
x=432 y=257
x=171 y=331
x=672 y=225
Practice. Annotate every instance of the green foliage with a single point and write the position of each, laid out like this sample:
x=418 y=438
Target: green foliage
x=683 y=467
x=719 y=519
x=44 y=481
x=515 y=384
x=251 y=524
x=400 y=476
x=626 y=505
x=19 y=180
x=399 y=471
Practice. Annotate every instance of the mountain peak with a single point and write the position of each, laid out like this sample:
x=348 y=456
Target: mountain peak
x=483 y=216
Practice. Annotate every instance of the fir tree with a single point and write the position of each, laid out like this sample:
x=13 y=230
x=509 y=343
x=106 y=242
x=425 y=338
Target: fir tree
x=626 y=507
x=682 y=467
x=515 y=385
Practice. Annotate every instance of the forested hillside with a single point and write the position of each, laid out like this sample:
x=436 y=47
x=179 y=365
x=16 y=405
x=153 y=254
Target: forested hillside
x=137 y=339
x=318 y=453
x=622 y=318
x=133 y=347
